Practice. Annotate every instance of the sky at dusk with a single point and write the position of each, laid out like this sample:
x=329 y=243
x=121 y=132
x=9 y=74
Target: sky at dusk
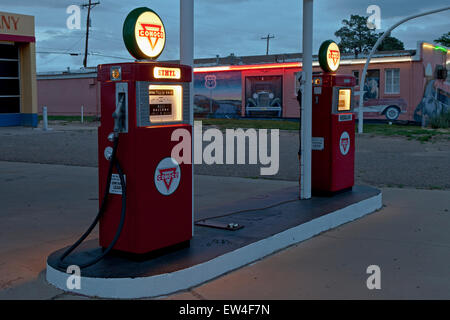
x=221 y=26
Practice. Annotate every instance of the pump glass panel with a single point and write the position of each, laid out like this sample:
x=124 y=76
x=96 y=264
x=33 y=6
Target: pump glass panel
x=344 y=99
x=165 y=103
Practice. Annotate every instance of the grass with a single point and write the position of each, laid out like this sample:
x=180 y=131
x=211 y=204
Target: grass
x=70 y=118
x=247 y=123
x=409 y=132
x=441 y=121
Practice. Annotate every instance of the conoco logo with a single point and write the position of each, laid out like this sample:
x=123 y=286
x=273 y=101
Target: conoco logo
x=152 y=32
x=344 y=143
x=334 y=56
x=167 y=176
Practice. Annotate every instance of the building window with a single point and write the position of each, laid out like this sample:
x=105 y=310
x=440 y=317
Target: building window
x=356 y=75
x=392 y=81
x=372 y=85
x=9 y=79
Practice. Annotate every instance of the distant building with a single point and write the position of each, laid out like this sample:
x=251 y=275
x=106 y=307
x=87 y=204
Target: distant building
x=18 y=93
x=399 y=85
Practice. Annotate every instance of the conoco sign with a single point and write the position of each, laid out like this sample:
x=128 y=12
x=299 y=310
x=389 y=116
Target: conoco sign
x=144 y=34
x=329 y=56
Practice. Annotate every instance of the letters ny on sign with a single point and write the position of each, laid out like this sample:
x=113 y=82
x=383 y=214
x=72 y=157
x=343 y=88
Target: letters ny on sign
x=9 y=22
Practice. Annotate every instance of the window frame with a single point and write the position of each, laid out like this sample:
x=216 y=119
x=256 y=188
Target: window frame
x=391 y=71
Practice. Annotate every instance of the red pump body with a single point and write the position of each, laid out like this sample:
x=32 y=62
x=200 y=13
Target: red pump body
x=333 y=132
x=159 y=190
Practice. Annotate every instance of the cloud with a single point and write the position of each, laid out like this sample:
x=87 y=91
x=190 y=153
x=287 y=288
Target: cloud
x=221 y=26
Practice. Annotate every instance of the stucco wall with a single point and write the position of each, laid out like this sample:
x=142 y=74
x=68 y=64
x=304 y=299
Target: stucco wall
x=66 y=96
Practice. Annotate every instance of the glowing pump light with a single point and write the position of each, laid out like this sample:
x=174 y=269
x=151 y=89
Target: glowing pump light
x=166 y=73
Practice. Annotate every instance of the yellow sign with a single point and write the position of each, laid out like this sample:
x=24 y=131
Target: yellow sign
x=333 y=56
x=16 y=24
x=329 y=56
x=150 y=34
x=144 y=34
x=166 y=73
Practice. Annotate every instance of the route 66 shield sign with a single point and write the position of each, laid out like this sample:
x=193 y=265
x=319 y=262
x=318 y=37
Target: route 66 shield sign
x=210 y=81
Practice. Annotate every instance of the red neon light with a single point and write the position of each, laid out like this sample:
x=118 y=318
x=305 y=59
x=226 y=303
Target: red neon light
x=248 y=67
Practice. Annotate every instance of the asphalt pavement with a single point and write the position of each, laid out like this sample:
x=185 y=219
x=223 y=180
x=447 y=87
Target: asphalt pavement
x=379 y=161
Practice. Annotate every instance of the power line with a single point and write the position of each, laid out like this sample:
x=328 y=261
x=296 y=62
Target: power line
x=268 y=39
x=79 y=54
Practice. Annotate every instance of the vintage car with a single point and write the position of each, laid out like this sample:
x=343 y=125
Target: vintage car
x=389 y=108
x=262 y=103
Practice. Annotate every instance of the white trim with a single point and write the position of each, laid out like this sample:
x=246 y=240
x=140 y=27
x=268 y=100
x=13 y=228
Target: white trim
x=168 y=283
x=14 y=60
x=92 y=75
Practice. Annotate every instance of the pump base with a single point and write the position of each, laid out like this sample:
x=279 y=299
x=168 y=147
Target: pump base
x=322 y=193
x=150 y=255
x=214 y=252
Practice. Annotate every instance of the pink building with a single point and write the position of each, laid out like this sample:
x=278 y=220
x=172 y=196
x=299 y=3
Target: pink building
x=399 y=85
x=65 y=93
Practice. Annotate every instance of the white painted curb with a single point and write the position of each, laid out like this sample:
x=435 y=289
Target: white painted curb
x=168 y=283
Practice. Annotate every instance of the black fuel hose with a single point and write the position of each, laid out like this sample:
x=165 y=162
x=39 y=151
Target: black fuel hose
x=113 y=163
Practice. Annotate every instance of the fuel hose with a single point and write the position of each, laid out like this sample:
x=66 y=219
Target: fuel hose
x=113 y=163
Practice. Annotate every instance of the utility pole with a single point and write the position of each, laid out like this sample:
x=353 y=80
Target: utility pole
x=268 y=39
x=89 y=5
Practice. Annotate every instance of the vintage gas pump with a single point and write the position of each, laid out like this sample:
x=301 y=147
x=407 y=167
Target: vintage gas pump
x=145 y=194
x=333 y=125
x=159 y=190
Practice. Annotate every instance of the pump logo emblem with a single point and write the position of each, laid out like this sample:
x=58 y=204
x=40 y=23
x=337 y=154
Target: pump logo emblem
x=144 y=34
x=152 y=32
x=329 y=56
x=334 y=55
x=167 y=176
x=344 y=143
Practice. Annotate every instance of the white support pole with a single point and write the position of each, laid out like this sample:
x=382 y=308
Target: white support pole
x=306 y=131
x=187 y=58
x=374 y=48
x=187 y=44
x=45 y=118
x=82 y=114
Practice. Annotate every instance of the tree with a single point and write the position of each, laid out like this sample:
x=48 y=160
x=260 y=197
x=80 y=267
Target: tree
x=390 y=44
x=357 y=38
x=444 y=39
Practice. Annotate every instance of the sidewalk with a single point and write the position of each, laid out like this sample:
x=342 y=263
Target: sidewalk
x=46 y=207
x=408 y=239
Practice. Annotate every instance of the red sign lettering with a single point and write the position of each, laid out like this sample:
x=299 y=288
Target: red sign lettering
x=152 y=32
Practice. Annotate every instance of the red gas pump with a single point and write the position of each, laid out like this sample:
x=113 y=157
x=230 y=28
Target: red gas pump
x=154 y=98
x=333 y=126
x=145 y=194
